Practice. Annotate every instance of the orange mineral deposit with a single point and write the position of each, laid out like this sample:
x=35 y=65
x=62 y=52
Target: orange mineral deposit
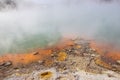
x=37 y=55
x=106 y=50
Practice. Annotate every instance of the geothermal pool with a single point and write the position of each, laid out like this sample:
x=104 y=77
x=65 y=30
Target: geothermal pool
x=34 y=24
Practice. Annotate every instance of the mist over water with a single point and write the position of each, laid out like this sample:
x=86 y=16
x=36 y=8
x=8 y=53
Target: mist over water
x=36 y=23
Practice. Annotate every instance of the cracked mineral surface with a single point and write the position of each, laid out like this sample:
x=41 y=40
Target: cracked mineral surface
x=76 y=61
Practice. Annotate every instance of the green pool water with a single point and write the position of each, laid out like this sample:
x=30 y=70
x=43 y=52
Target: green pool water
x=31 y=42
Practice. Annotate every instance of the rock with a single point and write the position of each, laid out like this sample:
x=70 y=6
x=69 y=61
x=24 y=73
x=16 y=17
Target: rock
x=9 y=63
x=35 y=53
x=92 y=55
x=111 y=74
x=118 y=61
x=62 y=78
x=1 y=64
x=5 y=64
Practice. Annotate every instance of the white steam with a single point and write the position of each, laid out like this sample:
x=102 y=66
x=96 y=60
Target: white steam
x=36 y=22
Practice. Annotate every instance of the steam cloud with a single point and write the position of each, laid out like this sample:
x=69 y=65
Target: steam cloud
x=34 y=23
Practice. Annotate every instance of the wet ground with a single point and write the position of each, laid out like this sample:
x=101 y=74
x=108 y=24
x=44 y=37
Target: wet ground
x=74 y=62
